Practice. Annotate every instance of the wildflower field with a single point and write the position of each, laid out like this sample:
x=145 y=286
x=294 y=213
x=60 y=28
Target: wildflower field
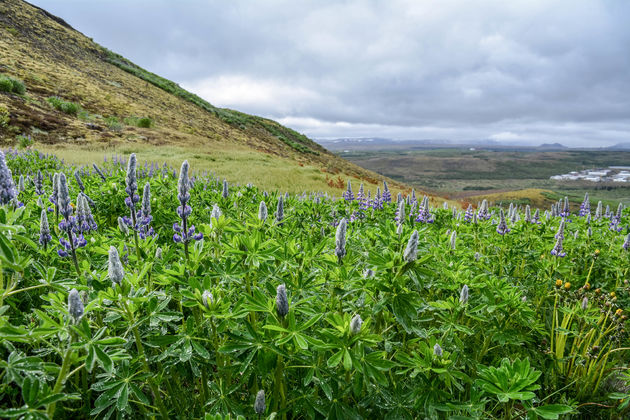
x=134 y=290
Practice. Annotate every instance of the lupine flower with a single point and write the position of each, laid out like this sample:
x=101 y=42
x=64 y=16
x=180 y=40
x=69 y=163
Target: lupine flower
x=114 y=267
x=463 y=295
x=280 y=210
x=348 y=195
x=63 y=197
x=143 y=217
x=560 y=233
x=377 y=203
x=361 y=199
x=424 y=215
x=84 y=221
x=502 y=228
x=77 y=177
x=607 y=212
x=483 y=213
x=225 y=191
x=368 y=273
x=122 y=226
x=588 y=219
x=98 y=171
x=44 y=230
x=282 y=303
x=598 y=212
x=626 y=244
x=387 y=196
x=445 y=205
x=39 y=183
x=477 y=256
x=340 y=239
x=158 y=254
x=411 y=250
x=589 y=232
x=453 y=239
x=399 y=229
x=355 y=324
x=528 y=214
x=207 y=298
x=215 y=214
x=262 y=211
x=565 y=209
x=557 y=249
x=7 y=188
x=21 y=183
x=400 y=213
x=437 y=350
x=468 y=216
x=584 y=303
x=75 y=306
x=536 y=218
x=259 y=404
x=399 y=198
x=131 y=185
x=184 y=233
x=585 y=207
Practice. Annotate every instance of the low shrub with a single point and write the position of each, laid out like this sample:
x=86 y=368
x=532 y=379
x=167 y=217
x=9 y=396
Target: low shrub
x=24 y=141
x=11 y=85
x=142 y=122
x=64 y=106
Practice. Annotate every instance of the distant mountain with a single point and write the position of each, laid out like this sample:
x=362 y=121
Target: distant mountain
x=552 y=146
x=620 y=146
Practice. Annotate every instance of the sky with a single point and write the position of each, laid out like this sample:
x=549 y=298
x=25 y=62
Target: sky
x=531 y=71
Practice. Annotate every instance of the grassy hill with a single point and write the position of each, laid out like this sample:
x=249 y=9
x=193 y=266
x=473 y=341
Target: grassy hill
x=61 y=92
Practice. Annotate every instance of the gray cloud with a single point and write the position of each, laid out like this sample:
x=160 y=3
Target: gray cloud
x=531 y=70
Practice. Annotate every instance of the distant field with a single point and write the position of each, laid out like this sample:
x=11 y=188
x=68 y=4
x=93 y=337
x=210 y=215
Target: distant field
x=462 y=173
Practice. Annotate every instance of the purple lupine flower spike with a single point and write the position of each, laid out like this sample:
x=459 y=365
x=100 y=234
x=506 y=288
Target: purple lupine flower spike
x=468 y=216
x=8 y=192
x=502 y=228
x=361 y=199
x=99 y=172
x=348 y=195
x=144 y=218
x=340 y=239
x=44 y=230
x=280 y=210
x=626 y=244
x=585 y=207
x=560 y=233
x=77 y=177
x=387 y=196
x=557 y=249
x=183 y=232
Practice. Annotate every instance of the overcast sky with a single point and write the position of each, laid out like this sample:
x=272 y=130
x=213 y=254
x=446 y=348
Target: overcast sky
x=531 y=70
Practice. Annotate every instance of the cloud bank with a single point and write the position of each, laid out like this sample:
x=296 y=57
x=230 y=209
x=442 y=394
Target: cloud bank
x=528 y=71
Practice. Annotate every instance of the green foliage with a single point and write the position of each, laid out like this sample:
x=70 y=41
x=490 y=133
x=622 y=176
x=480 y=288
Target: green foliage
x=11 y=85
x=24 y=141
x=113 y=123
x=196 y=329
x=67 y=107
x=142 y=122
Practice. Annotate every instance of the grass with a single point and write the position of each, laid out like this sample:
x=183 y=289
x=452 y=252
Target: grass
x=237 y=164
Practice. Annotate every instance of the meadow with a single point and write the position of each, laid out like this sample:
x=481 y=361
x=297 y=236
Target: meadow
x=133 y=289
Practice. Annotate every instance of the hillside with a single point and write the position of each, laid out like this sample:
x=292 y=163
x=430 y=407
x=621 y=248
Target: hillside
x=109 y=105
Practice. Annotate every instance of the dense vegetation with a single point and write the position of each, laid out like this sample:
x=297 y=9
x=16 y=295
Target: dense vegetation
x=132 y=290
